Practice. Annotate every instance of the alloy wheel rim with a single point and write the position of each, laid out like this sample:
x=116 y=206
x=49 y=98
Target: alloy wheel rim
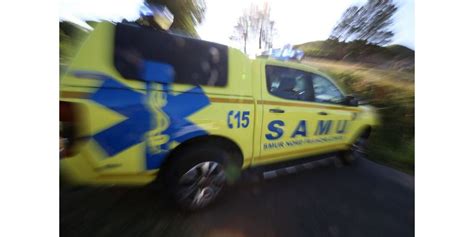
x=201 y=184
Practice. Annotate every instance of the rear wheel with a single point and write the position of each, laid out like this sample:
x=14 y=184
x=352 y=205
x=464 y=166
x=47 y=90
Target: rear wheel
x=198 y=174
x=200 y=185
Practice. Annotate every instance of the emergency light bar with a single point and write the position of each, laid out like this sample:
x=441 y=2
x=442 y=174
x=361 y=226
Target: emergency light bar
x=286 y=53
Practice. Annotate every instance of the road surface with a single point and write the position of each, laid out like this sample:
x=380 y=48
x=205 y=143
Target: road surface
x=330 y=200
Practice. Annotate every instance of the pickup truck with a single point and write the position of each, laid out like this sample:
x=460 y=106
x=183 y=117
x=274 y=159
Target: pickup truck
x=139 y=105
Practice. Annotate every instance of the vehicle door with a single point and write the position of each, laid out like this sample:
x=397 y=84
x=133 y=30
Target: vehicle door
x=333 y=117
x=302 y=114
x=287 y=99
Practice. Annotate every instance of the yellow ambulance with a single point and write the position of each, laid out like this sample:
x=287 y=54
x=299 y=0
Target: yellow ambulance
x=139 y=104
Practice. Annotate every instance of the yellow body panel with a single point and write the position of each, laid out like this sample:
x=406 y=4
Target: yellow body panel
x=111 y=109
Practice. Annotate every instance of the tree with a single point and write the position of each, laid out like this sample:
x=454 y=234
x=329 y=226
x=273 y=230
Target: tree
x=71 y=36
x=370 y=23
x=261 y=23
x=187 y=14
x=346 y=26
x=269 y=34
x=241 y=30
x=255 y=22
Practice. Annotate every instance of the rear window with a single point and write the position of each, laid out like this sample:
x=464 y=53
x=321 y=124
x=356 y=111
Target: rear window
x=195 y=62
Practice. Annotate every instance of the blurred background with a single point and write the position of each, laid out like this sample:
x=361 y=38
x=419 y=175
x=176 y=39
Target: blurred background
x=367 y=46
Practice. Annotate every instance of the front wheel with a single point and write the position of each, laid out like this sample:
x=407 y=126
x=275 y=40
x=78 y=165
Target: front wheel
x=357 y=151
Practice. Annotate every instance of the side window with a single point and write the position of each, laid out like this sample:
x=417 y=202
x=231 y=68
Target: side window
x=195 y=62
x=325 y=91
x=288 y=83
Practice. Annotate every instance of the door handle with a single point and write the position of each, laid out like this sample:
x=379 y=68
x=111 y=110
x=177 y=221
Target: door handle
x=280 y=111
x=322 y=113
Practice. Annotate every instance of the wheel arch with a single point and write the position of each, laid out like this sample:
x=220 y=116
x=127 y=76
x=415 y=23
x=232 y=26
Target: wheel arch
x=363 y=131
x=366 y=131
x=214 y=140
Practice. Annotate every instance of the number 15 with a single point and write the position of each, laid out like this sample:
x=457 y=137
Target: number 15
x=242 y=119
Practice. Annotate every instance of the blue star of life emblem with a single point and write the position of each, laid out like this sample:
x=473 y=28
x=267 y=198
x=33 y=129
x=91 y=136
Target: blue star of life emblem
x=142 y=119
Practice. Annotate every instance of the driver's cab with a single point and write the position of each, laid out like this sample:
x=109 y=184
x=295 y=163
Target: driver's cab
x=295 y=84
x=301 y=106
x=290 y=84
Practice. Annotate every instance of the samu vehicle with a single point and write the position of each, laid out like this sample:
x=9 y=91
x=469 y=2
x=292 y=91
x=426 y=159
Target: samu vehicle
x=138 y=104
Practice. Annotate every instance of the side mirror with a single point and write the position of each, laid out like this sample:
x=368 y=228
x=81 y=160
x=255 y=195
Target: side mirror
x=158 y=72
x=351 y=101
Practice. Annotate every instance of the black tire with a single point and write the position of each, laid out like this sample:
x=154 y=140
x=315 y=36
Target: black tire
x=187 y=169
x=357 y=151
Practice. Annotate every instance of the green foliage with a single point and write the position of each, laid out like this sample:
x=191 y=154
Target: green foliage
x=368 y=23
x=187 y=14
x=393 y=56
x=392 y=143
x=70 y=38
x=401 y=51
